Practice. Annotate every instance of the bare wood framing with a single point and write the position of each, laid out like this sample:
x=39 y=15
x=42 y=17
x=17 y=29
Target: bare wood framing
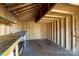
x=71 y=33
x=28 y=8
x=65 y=32
x=75 y=33
x=60 y=30
x=53 y=31
x=56 y=32
x=19 y=6
x=52 y=17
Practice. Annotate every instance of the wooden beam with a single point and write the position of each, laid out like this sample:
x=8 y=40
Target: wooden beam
x=17 y=50
x=27 y=8
x=75 y=26
x=19 y=6
x=16 y=14
x=58 y=13
x=51 y=31
x=60 y=30
x=7 y=52
x=48 y=18
x=68 y=33
x=74 y=33
x=57 y=16
x=56 y=32
x=65 y=32
x=51 y=17
x=61 y=11
x=71 y=34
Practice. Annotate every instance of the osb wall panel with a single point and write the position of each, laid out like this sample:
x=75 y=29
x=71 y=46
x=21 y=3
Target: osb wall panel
x=34 y=30
x=14 y=28
x=52 y=31
x=74 y=33
x=49 y=31
x=59 y=32
x=55 y=31
x=37 y=30
x=21 y=26
x=62 y=32
x=68 y=33
x=77 y=32
x=7 y=29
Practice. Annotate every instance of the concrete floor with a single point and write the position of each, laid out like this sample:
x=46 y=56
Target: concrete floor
x=44 y=48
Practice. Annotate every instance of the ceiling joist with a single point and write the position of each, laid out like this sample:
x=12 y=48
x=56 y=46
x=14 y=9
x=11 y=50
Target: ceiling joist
x=18 y=6
x=27 y=8
x=53 y=17
x=37 y=10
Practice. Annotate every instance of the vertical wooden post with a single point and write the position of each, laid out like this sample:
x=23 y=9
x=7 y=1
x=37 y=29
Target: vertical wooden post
x=71 y=34
x=56 y=33
x=60 y=30
x=68 y=33
x=53 y=31
x=16 y=52
x=75 y=32
x=65 y=32
x=5 y=30
x=50 y=31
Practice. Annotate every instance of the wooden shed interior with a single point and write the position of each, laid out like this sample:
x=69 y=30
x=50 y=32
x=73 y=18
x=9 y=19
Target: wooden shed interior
x=39 y=29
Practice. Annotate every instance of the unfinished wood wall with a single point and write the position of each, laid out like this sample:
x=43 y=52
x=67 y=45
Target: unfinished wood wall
x=48 y=30
x=68 y=33
x=61 y=32
x=2 y=29
x=76 y=32
x=6 y=21
x=34 y=30
x=37 y=30
x=7 y=29
x=65 y=32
